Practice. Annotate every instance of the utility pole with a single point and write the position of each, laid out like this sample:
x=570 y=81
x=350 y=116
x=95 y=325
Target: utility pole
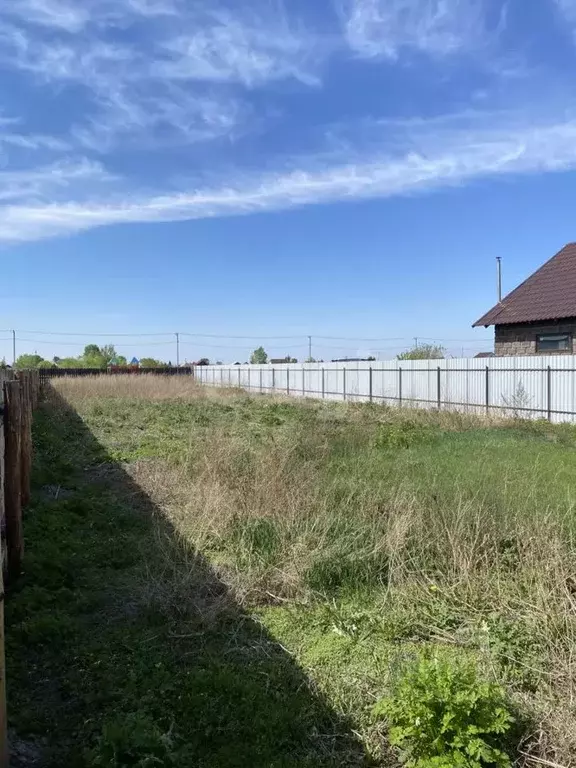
x=416 y=341
x=310 y=348
x=499 y=277
x=14 y=347
x=177 y=350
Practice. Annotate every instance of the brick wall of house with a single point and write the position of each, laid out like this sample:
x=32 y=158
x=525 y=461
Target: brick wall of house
x=521 y=339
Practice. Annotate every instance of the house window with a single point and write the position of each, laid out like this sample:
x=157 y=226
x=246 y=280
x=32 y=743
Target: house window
x=554 y=342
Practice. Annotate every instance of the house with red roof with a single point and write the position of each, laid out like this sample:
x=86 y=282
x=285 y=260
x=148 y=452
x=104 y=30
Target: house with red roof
x=539 y=316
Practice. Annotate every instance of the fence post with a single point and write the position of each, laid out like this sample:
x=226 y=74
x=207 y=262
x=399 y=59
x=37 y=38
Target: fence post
x=400 y=386
x=487 y=384
x=260 y=380
x=4 y=758
x=26 y=436
x=12 y=477
x=238 y=375
x=273 y=380
x=221 y=377
x=303 y=383
x=438 y=387
x=323 y=385
x=287 y=381
x=249 y=380
x=344 y=383
x=370 y=384
x=549 y=392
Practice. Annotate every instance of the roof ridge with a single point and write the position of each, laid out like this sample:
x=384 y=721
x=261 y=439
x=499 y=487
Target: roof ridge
x=491 y=317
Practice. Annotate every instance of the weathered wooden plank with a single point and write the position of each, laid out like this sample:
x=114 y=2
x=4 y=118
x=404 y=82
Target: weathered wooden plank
x=12 y=477
x=4 y=757
x=26 y=436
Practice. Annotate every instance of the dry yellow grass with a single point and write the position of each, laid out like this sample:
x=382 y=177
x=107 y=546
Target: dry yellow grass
x=144 y=387
x=465 y=536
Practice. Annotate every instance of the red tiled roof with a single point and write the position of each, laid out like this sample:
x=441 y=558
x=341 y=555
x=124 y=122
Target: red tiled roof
x=548 y=294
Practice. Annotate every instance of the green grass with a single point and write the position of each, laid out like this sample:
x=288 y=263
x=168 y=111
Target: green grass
x=230 y=581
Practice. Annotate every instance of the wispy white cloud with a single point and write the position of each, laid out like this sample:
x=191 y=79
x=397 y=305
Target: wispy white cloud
x=91 y=63
x=171 y=83
x=221 y=47
x=171 y=113
x=57 y=180
x=33 y=141
x=438 y=27
x=462 y=155
x=58 y=14
x=73 y=16
x=567 y=11
x=189 y=75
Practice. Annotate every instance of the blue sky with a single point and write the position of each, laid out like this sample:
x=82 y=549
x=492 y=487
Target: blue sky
x=342 y=168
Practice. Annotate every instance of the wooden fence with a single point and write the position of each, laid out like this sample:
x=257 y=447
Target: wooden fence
x=19 y=395
x=56 y=373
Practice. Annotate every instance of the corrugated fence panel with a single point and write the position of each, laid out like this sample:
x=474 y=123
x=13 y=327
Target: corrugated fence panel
x=529 y=387
x=563 y=393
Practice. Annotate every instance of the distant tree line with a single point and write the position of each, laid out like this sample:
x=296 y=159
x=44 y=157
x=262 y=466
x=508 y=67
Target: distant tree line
x=92 y=357
x=424 y=352
x=102 y=357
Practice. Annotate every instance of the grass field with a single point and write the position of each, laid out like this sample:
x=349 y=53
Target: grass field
x=213 y=579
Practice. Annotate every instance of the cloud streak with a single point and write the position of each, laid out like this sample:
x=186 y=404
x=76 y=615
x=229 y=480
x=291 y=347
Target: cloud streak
x=382 y=28
x=53 y=181
x=55 y=14
x=221 y=48
x=463 y=156
x=160 y=76
x=173 y=81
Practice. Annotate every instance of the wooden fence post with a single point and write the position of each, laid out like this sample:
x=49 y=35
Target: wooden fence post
x=4 y=757
x=12 y=477
x=35 y=378
x=26 y=435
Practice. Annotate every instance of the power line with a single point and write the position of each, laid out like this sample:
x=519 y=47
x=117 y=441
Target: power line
x=252 y=338
x=234 y=346
x=469 y=341
x=359 y=338
x=294 y=337
x=61 y=333
x=78 y=344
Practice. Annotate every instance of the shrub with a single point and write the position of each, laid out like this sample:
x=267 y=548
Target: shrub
x=442 y=715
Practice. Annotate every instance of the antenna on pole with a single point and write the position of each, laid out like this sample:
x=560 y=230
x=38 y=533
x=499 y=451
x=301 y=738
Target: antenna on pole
x=177 y=350
x=499 y=277
x=309 y=348
x=13 y=347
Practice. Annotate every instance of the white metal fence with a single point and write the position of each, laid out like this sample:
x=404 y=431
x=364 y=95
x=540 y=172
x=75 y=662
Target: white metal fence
x=531 y=387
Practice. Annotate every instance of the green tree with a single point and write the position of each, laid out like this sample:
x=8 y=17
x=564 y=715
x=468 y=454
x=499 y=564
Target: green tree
x=259 y=356
x=46 y=364
x=93 y=357
x=100 y=357
x=108 y=352
x=424 y=352
x=150 y=362
x=71 y=362
x=28 y=361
